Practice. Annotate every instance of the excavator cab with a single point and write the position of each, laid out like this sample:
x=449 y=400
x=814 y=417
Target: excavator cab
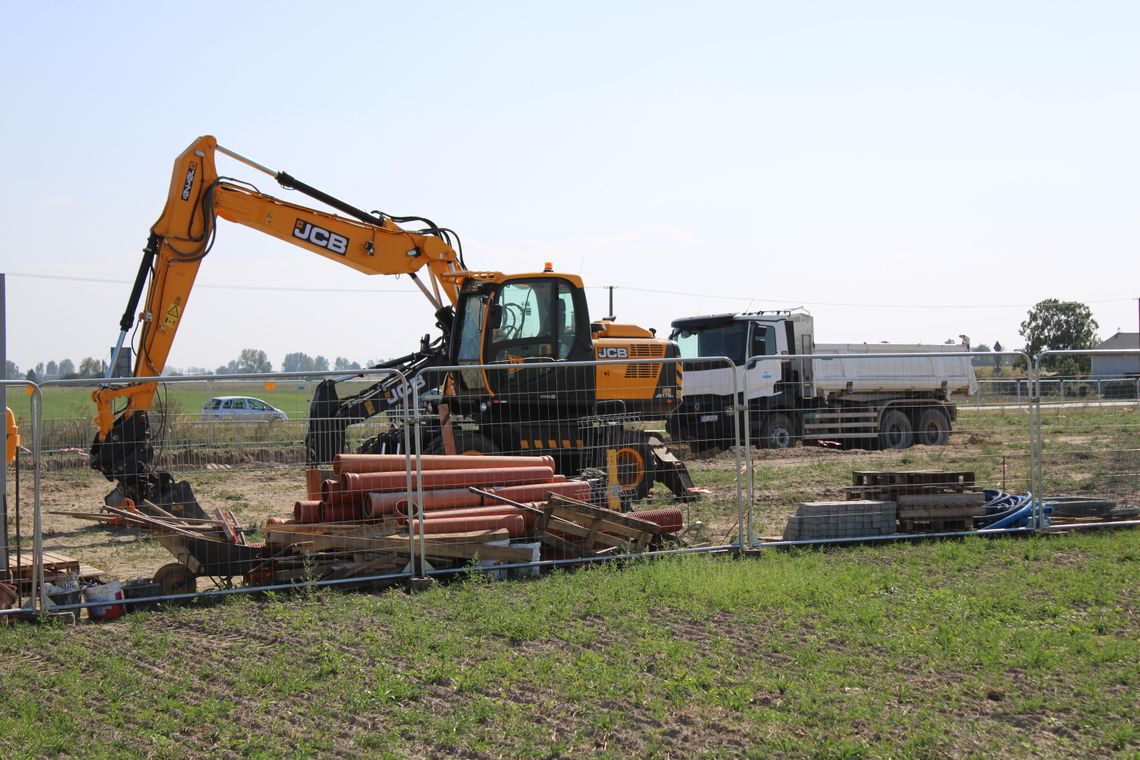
x=534 y=321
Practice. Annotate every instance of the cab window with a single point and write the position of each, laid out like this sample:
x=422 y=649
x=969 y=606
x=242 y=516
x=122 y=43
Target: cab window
x=532 y=318
x=763 y=341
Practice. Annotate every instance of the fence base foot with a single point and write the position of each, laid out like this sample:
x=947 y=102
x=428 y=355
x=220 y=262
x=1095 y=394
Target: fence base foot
x=419 y=584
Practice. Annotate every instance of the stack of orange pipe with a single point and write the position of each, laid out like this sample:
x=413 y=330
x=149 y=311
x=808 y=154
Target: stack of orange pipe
x=372 y=486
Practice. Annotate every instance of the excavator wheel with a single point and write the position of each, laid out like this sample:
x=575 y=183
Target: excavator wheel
x=467 y=442
x=634 y=465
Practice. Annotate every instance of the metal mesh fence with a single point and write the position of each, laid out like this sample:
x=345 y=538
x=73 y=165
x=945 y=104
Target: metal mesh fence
x=579 y=462
x=1087 y=433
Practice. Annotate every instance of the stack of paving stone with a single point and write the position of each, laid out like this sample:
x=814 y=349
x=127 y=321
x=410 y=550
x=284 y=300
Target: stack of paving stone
x=841 y=519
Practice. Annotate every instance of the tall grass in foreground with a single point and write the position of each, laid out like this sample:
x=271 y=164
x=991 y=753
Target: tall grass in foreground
x=957 y=648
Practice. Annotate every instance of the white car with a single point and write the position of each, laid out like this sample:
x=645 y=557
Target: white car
x=241 y=408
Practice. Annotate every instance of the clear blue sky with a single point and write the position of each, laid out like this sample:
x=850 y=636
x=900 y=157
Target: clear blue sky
x=907 y=171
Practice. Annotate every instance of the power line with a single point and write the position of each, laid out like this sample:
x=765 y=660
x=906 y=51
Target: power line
x=788 y=299
x=273 y=288
x=746 y=299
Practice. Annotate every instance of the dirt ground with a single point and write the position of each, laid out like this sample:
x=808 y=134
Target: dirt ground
x=254 y=492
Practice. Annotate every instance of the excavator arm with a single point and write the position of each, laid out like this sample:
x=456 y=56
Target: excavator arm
x=369 y=242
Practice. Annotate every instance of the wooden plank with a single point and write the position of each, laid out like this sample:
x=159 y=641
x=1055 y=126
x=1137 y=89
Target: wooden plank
x=581 y=531
x=609 y=515
x=948 y=500
x=356 y=537
x=935 y=513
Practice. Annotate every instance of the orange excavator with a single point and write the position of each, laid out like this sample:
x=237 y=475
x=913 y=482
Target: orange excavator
x=538 y=318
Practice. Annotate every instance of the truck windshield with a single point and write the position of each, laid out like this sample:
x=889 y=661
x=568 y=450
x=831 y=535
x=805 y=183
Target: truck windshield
x=719 y=340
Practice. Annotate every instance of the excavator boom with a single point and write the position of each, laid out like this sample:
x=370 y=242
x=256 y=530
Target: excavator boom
x=371 y=243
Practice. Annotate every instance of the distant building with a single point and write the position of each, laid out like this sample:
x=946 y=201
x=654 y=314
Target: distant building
x=1122 y=365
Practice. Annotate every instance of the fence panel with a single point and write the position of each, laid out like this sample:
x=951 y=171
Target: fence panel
x=21 y=547
x=1088 y=443
x=876 y=445
x=831 y=441
x=598 y=432
x=251 y=513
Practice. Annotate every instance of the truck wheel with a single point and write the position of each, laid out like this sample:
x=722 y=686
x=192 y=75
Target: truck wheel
x=933 y=427
x=895 y=431
x=778 y=432
x=467 y=443
x=634 y=465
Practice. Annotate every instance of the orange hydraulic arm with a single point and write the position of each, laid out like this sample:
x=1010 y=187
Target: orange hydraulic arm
x=372 y=243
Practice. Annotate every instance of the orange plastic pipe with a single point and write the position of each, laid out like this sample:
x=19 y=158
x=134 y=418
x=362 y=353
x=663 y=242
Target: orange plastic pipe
x=341 y=512
x=386 y=482
x=575 y=489
x=449 y=514
x=361 y=463
x=445 y=498
x=515 y=525
x=307 y=512
x=380 y=504
x=669 y=518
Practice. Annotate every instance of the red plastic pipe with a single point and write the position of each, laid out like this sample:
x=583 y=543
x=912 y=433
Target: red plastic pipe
x=669 y=518
x=307 y=512
x=362 y=463
x=575 y=489
x=515 y=525
x=386 y=482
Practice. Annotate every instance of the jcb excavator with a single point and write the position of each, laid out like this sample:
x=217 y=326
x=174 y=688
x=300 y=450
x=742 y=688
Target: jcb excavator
x=522 y=320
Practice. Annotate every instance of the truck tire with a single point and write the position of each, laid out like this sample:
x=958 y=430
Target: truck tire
x=778 y=432
x=467 y=443
x=895 y=430
x=933 y=427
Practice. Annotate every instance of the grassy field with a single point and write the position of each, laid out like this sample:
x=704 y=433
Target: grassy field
x=74 y=403
x=965 y=648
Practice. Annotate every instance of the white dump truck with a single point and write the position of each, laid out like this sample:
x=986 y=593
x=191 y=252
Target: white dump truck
x=794 y=391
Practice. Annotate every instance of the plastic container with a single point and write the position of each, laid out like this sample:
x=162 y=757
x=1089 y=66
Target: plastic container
x=141 y=588
x=68 y=597
x=107 y=593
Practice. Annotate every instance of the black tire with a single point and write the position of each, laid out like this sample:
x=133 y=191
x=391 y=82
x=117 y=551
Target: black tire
x=933 y=427
x=895 y=430
x=778 y=432
x=467 y=443
x=175 y=578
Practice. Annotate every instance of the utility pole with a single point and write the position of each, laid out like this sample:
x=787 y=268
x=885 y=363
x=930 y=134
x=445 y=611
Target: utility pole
x=3 y=436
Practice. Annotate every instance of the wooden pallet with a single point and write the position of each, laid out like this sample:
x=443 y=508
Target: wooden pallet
x=890 y=485
x=56 y=566
x=583 y=530
x=940 y=525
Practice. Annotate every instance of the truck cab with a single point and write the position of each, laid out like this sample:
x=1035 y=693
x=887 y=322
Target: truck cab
x=794 y=389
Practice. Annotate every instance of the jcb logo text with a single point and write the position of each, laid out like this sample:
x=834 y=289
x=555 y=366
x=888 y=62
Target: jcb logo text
x=320 y=237
x=613 y=353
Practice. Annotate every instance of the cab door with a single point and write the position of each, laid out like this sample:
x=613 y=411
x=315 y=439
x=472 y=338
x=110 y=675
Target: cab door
x=529 y=325
x=762 y=362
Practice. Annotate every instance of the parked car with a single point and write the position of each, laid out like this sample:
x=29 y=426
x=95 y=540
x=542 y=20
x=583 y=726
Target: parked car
x=241 y=408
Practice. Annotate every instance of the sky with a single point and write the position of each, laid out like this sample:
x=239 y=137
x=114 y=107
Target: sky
x=907 y=172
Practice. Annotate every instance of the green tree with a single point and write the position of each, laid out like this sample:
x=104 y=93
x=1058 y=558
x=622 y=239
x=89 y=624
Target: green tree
x=297 y=362
x=11 y=371
x=92 y=367
x=253 y=360
x=1060 y=325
